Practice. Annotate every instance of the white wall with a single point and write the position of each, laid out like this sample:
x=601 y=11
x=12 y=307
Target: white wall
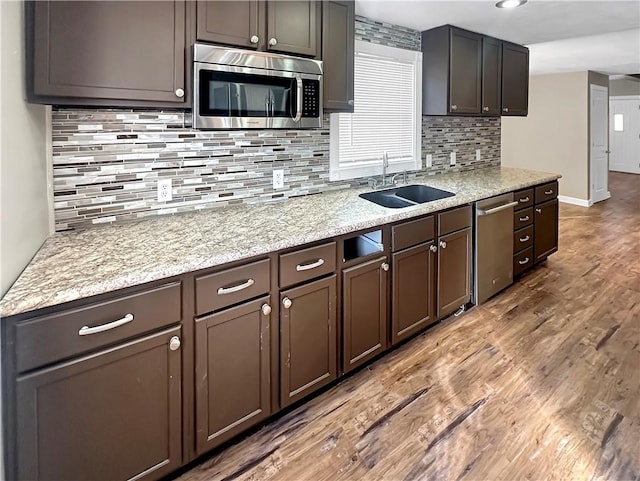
x=24 y=202
x=553 y=137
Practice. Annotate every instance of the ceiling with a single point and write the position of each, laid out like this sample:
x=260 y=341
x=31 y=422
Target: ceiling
x=604 y=35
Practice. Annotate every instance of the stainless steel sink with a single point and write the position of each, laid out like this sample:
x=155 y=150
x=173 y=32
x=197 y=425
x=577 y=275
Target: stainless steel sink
x=406 y=196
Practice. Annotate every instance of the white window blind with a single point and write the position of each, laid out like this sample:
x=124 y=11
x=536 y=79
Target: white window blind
x=387 y=114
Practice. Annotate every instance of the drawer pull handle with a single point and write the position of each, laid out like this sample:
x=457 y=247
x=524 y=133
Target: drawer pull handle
x=524 y=199
x=312 y=265
x=524 y=219
x=548 y=192
x=286 y=302
x=239 y=287
x=539 y=211
x=523 y=261
x=86 y=330
x=524 y=239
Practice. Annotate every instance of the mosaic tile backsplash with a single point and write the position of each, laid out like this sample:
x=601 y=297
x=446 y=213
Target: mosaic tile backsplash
x=106 y=162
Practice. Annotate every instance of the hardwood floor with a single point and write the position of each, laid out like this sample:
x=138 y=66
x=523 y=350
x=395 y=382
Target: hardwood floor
x=541 y=382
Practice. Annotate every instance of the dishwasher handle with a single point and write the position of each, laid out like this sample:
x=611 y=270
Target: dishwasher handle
x=498 y=209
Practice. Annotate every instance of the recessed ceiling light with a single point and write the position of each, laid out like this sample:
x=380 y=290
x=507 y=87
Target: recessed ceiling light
x=510 y=3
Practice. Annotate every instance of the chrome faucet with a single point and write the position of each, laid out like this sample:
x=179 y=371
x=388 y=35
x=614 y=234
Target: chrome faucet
x=385 y=166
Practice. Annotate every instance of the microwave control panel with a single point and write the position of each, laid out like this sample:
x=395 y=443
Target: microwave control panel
x=310 y=98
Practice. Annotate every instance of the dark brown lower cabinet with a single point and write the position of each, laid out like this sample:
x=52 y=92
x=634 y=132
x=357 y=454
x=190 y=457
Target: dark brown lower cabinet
x=454 y=271
x=308 y=356
x=232 y=372
x=545 y=236
x=115 y=414
x=365 y=309
x=413 y=291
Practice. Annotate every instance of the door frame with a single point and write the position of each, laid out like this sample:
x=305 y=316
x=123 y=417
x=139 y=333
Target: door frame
x=595 y=88
x=613 y=99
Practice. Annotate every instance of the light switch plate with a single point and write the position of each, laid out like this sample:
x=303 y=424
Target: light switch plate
x=278 y=179
x=478 y=154
x=429 y=160
x=452 y=158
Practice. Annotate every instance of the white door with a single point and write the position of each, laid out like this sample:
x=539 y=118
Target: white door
x=624 y=134
x=599 y=143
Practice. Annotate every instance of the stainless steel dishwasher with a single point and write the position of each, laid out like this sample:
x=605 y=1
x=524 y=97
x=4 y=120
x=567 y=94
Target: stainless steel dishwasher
x=493 y=242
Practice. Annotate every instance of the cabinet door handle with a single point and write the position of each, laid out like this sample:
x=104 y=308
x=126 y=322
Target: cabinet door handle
x=385 y=266
x=443 y=244
x=350 y=102
x=524 y=199
x=524 y=219
x=174 y=343
x=485 y=109
x=539 y=211
x=433 y=248
x=254 y=39
x=454 y=107
x=273 y=42
x=506 y=109
x=266 y=309
x=179 y=93
x=86 y=330
x=548 y=192
x=524 y=239
x=286 y=302
x=312 y=265
x=239 y=287
x=523 y=261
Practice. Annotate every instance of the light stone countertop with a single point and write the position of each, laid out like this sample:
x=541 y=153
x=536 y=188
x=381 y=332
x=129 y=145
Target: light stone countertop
x=76 y=265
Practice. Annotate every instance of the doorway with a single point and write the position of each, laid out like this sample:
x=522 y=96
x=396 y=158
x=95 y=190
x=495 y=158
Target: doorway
x=624 y=134
x=599 y=143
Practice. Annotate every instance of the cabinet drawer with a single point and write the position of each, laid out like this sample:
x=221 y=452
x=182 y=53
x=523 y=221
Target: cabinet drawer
x=522 y=261
x=306 y=264
x=222 y=289
x=522 y=238
x=524 y=198
x=454 y=220
x=522 y=218
x=48 y=339
x=546 y=192
x=412 y=233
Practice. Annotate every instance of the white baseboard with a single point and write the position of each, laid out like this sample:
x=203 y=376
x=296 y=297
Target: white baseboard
x=575 y=201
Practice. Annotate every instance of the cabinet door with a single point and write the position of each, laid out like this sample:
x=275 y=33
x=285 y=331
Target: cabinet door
x=414 y=288
x=491 y=75
x=308 y=339
x=545 y=230
x=454 y=271
x=338 y=23
x=364 y=312
x=115 y=414
x=232 y=372
x=465 y=75
x=239 y=22
x=515 y=79
x=293 y=27
x=110 y=50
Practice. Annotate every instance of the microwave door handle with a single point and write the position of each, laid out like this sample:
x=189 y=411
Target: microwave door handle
x=298 y=99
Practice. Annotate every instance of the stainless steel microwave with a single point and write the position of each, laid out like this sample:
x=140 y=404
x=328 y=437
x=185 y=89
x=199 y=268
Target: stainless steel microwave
x=236 y=88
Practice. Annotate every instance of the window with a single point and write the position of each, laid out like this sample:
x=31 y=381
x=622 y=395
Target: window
x=387 y=114
x=618 y=123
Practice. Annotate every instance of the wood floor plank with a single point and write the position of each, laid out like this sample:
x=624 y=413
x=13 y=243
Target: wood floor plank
x=540 y=383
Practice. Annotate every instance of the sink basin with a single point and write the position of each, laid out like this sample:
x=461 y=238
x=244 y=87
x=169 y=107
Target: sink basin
x=406 y=196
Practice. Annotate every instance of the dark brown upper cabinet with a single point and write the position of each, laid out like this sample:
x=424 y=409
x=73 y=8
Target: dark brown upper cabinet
x=338 y=24
x=289 y=27
x=365 y=309
x=107 y=53
x=237 y=23
x=515 y=79
x=491 y=76
x=466 y=73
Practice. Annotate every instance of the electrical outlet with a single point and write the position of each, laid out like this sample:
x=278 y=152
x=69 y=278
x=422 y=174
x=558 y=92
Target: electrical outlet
x=478 y=154
x=278 y=179
x=164 y=190
x=429 y=160
x=452 y=158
